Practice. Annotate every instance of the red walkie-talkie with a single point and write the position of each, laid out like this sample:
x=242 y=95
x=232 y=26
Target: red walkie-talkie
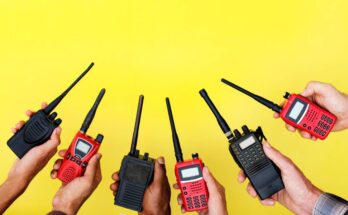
x=299 y=112
x=82 y=148
x=189 y=175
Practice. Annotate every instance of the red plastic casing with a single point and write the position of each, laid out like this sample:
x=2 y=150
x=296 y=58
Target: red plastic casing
x=312 y=118
x=74 y=164
x=194 y=192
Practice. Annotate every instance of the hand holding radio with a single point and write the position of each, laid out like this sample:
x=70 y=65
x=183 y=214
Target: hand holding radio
x=217 y=198
x=25 y=169
x=328 y=97
x=157 y=195
x=299 y=195
x=70 y=197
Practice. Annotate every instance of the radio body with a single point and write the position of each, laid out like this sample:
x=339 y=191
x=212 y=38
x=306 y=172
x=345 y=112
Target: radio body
x=77 y=156
x=136 y=172
x=39 y=128
x=247 y=151
x=189 y=174
x=298 y=112
x=304 y=115
x=189 y=177
x=82 y=148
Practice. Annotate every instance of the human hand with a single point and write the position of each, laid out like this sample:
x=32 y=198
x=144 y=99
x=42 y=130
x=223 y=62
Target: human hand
x=217 y=198
x=328 y=97
x=70 y=197
x=157 y=195
x=299 y=194
x=25 y=169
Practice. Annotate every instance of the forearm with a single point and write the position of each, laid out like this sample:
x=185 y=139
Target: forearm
x=10 y=190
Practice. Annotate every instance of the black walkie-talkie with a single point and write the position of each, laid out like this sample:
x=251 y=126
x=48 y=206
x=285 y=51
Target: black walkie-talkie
x=136 y=172
x=38 y=129
x=246 y=149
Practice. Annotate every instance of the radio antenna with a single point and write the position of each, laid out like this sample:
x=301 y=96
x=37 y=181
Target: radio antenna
x=222 y=123
x=136 y=127
x=260 y=99
x=91 y=113
x=176 y=142
x=55 y=102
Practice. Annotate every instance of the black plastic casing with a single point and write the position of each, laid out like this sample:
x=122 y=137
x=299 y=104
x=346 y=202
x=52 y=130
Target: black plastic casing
x=136 y=174
x=263 y=174
x=36 y=131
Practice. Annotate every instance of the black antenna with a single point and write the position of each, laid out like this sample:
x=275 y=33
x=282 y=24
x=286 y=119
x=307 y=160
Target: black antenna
x=55 y=102
x=222 y=123
x=136 y=127
x=260 y=99
x=91 y=113
x=177 y=147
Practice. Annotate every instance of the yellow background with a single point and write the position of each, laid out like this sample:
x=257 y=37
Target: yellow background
x=172 y=48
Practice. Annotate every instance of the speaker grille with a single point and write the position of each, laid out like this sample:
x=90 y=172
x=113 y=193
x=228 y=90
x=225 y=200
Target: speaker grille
x=68 y=174
x=133 y=195
x=258 y=166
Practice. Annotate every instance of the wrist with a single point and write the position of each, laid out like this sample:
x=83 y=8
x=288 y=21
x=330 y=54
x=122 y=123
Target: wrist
x=313 y=196
x=67 y=207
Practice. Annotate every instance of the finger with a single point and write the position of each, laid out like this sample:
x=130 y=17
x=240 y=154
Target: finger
x=276 y=115
x=92 y=167
x=290 y=128
x=176 y=186
x=160 y=170
x=251 y=191
x=183 y=209
x=62 y=153
x=179 y=199
x=52 y=143
x=315 y=87
x=54 y=174
x=14 y=130
x=57 y=164
x=268 y=202
x=19 y=125
x=114 y=187
x=29 y=113
x=210 y=181
x=305 y=134
x=314 y=138
x=43 y=105
x=115 y=176
x=278 y=158
x=241 y=176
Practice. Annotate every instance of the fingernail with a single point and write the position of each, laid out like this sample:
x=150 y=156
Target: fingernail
x=161 y=160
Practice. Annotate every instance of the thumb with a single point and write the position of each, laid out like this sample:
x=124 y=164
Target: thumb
x=53 y=142
x=93 y=166
x=160 y=170
x=278 y=158
x=210 y=181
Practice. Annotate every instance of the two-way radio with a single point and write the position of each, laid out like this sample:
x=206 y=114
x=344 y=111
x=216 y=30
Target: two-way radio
x=82 y=148
x=38 y=129
x=136 y=172
x=246 y=149
x=189 y=175
x=298 y=112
